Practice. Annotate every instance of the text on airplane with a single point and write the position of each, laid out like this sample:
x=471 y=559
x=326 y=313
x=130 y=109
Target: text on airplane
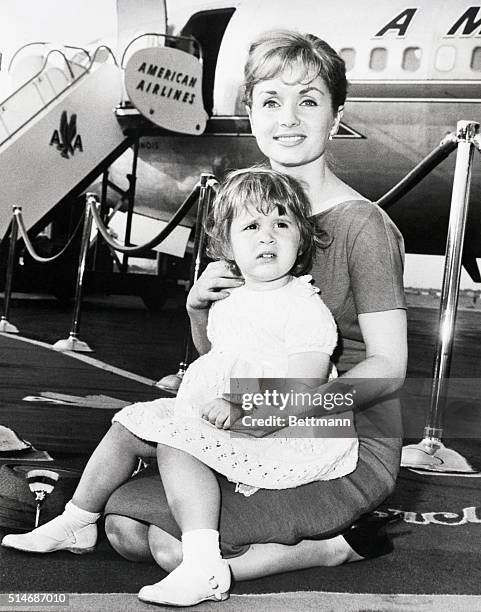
x=468 y=24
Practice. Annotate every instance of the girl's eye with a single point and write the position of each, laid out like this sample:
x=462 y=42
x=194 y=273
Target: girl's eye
x=282 y=224
x=251 y=226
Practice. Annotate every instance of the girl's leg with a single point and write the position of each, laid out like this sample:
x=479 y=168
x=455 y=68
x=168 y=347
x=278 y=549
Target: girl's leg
x=110 y=465
x=191 y=489
x=193 y=495
x=75 y=530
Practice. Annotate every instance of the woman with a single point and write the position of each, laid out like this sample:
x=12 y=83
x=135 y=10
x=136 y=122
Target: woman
x=295 y=89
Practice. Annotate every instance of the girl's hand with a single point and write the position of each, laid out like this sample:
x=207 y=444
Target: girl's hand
x=214 y=284
x=221 y=413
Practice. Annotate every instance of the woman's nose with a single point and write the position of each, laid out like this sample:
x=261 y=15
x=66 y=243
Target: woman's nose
x=289 y=117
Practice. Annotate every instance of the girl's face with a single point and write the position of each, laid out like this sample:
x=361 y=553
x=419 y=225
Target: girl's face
x=264 y=247
x=291 y=120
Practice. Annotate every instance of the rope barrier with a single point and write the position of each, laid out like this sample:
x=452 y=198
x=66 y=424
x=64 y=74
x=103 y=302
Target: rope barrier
x=17 y=211
x=439 y=154
x=171 y=225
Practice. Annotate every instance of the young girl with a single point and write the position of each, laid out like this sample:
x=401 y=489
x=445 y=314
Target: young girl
x=275 y=326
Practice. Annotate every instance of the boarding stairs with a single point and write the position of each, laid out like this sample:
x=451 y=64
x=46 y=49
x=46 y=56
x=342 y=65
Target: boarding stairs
x=58 y=131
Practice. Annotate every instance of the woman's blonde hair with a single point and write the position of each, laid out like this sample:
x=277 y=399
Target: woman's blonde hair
x=264 y=189
x=275 y=51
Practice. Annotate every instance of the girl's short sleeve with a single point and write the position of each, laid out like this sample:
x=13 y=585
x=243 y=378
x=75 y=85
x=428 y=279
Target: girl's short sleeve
x=310 y=327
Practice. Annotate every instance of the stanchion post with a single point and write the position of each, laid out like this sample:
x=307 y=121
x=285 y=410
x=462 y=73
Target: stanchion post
x=5 y=326
x=171 y=382
x=73 y=343
x=450 y=290
x=431 y=453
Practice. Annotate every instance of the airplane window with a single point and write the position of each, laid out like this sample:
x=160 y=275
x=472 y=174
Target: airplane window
x=411 y=58
x=378 y=58
x=476 y=59
x=445 y=58
x=348 y=54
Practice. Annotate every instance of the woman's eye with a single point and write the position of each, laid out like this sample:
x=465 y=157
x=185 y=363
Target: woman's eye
x=308 y=102
x=270 y=104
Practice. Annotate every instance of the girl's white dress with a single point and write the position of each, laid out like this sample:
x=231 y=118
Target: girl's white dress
x=252 y=334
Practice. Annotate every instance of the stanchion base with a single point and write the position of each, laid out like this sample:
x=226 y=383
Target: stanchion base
x=72 y=344
x=423 y=457
x=170 y=383
x=7 y=328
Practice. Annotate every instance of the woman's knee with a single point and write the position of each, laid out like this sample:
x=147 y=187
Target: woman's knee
x=164 y=548
x=128 y=537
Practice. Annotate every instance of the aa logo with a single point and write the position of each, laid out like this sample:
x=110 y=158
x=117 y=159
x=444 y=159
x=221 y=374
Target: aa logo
x=66 y=138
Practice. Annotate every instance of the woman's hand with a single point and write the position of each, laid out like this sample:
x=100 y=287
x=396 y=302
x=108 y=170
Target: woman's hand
x=214 y=284
x=221 y=413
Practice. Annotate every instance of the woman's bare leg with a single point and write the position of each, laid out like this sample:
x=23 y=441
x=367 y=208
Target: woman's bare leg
x=266 y=559
x=260 y=560
x=129 y=538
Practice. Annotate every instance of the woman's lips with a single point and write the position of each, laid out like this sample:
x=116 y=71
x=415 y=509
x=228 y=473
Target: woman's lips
x=289 y=139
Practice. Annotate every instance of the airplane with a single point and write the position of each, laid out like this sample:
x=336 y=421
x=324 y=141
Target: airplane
x=414 y=70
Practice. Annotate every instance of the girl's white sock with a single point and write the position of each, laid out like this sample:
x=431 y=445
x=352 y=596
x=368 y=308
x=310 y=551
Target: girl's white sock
x=71 y=520
x=201 y=546
x=80 y=516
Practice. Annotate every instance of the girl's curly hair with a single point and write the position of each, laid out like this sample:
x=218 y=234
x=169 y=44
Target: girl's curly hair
x=264 y=189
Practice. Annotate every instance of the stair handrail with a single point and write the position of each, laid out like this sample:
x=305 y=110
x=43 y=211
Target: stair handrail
x=166 y=36
x=178 y=216
x=43 y=42
x=447 y=145
x=73 y=79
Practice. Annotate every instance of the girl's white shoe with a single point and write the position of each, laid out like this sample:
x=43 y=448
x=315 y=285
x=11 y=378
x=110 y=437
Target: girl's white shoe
x=190 y=584
x=44 y=539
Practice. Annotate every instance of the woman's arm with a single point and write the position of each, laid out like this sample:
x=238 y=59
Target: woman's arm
x=213 y=284
x=384 y=368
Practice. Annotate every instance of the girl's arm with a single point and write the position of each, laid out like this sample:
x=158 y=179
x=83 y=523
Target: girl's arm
x=381 y=373
x=282 y=397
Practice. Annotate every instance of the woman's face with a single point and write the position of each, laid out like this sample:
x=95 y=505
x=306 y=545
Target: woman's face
x=291 y=120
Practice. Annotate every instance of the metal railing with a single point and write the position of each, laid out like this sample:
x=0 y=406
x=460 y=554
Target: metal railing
x=201 y=193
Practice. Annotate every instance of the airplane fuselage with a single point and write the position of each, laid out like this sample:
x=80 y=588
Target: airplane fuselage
x=414 y=70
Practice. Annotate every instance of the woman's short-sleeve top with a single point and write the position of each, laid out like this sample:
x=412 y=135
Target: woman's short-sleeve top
x=359 y=267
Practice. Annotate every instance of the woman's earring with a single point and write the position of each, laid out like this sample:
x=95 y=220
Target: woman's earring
x=332 y=133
